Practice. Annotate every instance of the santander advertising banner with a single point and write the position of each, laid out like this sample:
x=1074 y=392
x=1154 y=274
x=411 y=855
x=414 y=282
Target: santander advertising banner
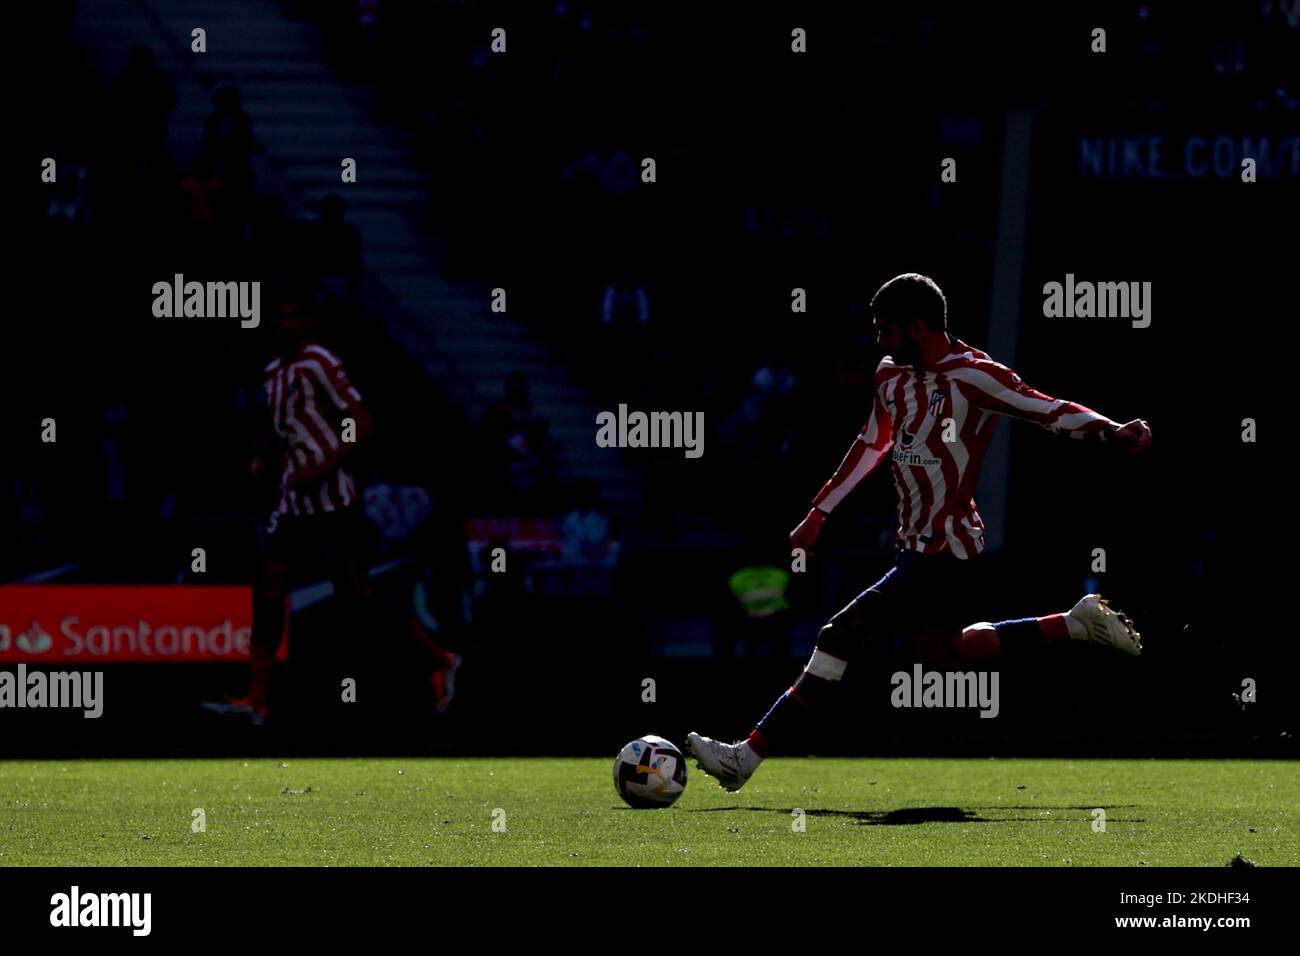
x=178 y=623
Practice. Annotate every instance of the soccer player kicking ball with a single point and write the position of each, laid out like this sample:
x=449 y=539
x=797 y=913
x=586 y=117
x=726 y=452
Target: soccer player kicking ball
x=933 y=415
x=318 y=519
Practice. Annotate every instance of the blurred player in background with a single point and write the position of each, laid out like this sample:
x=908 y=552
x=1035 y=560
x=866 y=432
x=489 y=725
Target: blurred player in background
x=934 y=409
x=318 y=521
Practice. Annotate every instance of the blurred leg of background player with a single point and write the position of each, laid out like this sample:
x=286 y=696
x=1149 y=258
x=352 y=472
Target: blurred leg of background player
x=270 y=610
x=334 y=539
x=359 y=611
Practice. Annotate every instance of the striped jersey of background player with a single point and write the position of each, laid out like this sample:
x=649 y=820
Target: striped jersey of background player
x=318 y=522
x=935 y=403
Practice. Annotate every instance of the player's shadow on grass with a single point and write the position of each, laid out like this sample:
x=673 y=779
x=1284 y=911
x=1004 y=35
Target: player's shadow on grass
x=907 y=816
x=1089 y=807
x=903 y=817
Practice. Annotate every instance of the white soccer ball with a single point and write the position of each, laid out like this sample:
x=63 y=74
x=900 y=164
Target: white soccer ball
x=649 y=773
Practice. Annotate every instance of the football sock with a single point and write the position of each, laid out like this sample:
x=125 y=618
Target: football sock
x=788 y=720
x=758 y=743
x=1025 y=633
x=262 y=660
x=783 y=724
x=441 y=659
x=268 y=625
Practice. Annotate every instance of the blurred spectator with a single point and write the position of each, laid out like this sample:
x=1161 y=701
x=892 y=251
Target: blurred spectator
x=503 y=434
x=613 y=225
x=200 y=190
x=584 y=529
x=228 y=151
x=22 y=527
x=143 y=98
x=537 y=470
x=272 y=237
x=397 y=512
x=509 y=415
x=338 y=250
x=523 y=468
x=588 y=552
x=761 y=426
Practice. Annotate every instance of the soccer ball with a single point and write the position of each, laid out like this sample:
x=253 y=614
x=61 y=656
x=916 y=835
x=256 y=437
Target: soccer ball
x=649 y=773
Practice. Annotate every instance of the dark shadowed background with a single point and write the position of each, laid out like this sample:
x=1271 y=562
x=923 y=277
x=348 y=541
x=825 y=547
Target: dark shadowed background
x=774 y=170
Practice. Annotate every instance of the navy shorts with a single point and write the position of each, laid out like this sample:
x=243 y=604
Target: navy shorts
x=323 y=541
x=920 y=592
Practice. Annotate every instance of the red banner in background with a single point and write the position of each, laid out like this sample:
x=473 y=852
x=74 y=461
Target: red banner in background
x=178 y=623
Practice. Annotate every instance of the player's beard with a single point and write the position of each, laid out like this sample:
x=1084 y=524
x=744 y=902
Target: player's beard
x=906 y=354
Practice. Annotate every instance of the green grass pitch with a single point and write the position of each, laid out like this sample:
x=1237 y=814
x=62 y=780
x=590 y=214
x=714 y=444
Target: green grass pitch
x=441 y=811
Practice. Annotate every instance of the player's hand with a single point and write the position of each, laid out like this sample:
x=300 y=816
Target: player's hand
x=805 y=535
x=1135 y=436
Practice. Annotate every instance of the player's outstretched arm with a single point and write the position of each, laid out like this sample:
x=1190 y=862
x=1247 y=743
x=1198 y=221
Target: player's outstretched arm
x=996 y=388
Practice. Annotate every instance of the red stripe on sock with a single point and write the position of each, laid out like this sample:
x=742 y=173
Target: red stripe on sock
x=262 y=661
x=1054 y=628
x=441 y=659
x=758 y=742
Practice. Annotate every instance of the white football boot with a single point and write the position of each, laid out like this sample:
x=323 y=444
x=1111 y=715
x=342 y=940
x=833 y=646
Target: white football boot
x=730 y=764
x=1092 y=619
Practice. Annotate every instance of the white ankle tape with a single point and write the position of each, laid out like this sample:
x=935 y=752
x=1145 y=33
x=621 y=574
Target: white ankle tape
x=825 y=666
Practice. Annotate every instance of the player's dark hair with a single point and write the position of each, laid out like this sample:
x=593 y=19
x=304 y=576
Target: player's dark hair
x=909 y=297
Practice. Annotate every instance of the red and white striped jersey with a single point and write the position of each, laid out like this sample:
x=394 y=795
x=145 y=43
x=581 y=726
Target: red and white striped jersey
x=308 y=396
x=933 y=426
